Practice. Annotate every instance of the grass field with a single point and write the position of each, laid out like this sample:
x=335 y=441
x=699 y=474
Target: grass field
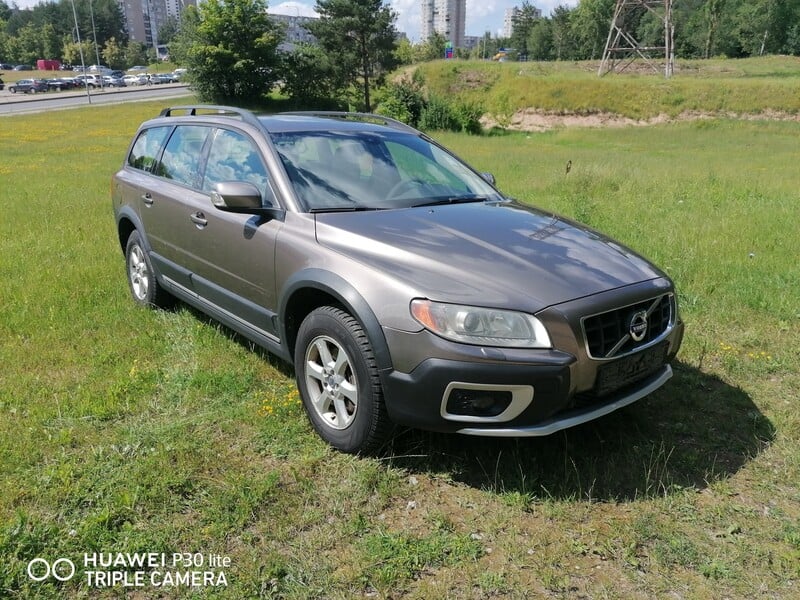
x=127 y=430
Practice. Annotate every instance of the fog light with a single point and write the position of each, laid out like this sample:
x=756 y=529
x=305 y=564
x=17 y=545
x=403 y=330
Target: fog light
x=478 y=403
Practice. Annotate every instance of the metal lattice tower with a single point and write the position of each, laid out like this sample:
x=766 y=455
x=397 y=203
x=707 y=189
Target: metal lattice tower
x=622 y=49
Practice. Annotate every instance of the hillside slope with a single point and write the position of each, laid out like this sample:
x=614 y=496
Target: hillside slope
x=538 y=95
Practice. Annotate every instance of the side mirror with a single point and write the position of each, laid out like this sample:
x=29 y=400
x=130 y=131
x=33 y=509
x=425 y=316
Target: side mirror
x=242 y=197
x=235 y=196
x=489 y=177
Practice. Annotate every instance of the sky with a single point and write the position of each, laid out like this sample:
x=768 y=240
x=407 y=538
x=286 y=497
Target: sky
x=482 y=15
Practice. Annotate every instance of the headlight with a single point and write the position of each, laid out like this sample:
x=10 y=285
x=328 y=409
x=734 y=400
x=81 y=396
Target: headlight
x=483 y=326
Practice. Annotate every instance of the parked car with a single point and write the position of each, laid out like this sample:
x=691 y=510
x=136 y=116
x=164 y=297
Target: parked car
x=89 y=80
x=402 y=284
x=60 y=83
x=23 y=68
x=135 y=79
x=179 y=74
x=111 y=81
x=28 y=86
x=158 y=78
x=136 y=68
x=70 y=83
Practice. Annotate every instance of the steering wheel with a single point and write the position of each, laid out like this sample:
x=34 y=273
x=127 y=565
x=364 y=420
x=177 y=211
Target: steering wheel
x=402 y=187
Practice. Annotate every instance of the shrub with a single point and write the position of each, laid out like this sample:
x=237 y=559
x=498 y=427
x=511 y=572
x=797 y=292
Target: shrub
x=438 y=116
x=443 y=115
x=404 y=101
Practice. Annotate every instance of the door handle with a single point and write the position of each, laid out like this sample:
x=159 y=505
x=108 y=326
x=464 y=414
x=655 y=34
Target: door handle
x=199 y=219
x=147 y=199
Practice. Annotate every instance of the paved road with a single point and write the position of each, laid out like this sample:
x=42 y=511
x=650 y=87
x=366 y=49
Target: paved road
x=14 y=104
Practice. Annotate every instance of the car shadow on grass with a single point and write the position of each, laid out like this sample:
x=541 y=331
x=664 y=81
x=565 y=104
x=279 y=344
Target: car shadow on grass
x=692 y=432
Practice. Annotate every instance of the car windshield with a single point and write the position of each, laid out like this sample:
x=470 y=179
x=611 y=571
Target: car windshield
x=358 y=170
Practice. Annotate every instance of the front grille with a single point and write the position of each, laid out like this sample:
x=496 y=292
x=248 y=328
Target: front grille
x=608 y=335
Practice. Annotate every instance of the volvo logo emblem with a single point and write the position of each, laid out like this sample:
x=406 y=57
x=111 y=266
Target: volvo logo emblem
x=638 y=326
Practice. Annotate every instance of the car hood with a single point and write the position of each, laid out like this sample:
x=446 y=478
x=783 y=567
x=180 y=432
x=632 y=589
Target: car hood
x=487 y=254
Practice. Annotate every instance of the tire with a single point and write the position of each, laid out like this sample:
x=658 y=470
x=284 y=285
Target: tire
x=142 y=281
x=338 y=382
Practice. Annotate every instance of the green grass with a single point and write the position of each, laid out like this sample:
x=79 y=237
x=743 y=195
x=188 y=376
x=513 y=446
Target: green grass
x=749 y=86
x=127 y=430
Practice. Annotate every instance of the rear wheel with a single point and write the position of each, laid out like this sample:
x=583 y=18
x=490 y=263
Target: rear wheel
x=142 y=281
x=338 y=381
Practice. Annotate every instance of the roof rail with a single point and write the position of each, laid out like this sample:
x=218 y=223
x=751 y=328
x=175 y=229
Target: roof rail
x=355 y=116
x=210 y=109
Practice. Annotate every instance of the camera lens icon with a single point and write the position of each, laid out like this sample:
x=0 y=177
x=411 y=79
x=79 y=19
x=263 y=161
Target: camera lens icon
x=62 y=569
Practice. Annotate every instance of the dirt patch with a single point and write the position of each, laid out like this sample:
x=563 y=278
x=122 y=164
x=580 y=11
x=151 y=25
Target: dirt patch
x=535 y=120
x=471 y=81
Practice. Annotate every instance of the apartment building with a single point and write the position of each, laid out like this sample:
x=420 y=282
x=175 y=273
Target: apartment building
x=446 y=17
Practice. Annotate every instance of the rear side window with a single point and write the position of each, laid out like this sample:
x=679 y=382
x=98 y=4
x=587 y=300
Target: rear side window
x=145 y=151
x=183 y=154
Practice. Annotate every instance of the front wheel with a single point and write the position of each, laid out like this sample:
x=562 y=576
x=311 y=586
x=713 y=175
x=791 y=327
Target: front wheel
x=338 y=381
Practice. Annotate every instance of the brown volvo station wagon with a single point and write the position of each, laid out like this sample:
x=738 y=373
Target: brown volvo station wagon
x=402 y=284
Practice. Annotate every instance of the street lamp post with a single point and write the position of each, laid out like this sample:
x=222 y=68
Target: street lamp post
x=96 y=49
x=80 y=50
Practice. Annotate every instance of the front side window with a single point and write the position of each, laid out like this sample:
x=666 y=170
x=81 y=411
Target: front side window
x=147 y=147
x=183 y=154
x=234 y=157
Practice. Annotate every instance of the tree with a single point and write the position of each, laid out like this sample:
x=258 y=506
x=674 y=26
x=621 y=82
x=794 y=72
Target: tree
x=712 y=12
x=522 y=21
x=540 y=42
x=230 y=50
x=135 y=53
x=404 y=52
x=359 y=37
x=114 y=55
x=590 y=22
x=71 y=52
x=308 y=77
x=563 y=44
x=433 y=48
x=169 y=29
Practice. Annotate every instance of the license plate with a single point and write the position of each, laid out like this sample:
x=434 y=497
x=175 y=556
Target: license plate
x=618 y=374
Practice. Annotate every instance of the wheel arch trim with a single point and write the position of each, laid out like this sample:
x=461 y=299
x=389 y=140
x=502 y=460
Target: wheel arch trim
x=124 y=214
x=345 y=294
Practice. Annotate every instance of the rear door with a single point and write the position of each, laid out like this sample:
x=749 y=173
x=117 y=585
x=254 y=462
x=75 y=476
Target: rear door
x=169 y=194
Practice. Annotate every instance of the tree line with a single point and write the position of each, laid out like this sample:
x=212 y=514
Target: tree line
x=232 y=48
x=703 y=29
x=47 y=31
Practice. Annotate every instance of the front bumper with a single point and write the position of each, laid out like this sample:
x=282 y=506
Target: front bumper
x=577 y=416
x=547 y=390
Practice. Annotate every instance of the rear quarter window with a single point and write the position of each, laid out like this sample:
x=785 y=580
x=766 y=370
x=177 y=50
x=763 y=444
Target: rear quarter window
x=144 y=153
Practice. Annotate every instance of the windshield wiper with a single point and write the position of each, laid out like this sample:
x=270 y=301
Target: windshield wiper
x=452 y=200
x=335 y=209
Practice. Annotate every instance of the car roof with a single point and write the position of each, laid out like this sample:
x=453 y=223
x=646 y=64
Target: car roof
x=282 y=123
x=290 y=121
